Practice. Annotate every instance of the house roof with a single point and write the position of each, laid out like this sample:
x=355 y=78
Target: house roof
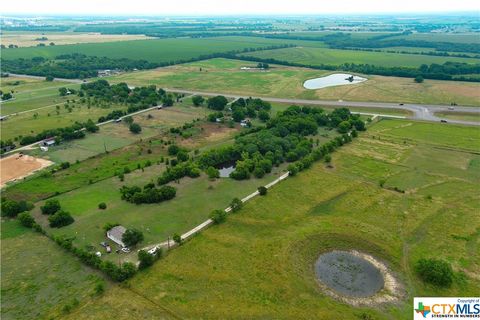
x=116 y=234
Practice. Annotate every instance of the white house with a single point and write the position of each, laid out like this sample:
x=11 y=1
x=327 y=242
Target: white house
x=115 y=234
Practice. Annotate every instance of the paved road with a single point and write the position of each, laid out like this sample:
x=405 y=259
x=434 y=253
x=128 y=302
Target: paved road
x=424 y=112
x=43 y=78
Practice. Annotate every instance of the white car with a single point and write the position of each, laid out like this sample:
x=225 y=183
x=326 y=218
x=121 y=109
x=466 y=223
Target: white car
x=152 y=251
x=126 y=250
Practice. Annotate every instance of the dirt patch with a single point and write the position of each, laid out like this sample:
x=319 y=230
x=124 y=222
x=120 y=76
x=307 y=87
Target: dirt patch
x=18 y=166
x=391 y=292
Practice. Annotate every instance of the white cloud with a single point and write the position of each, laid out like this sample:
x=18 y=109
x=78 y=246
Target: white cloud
x=216 y=7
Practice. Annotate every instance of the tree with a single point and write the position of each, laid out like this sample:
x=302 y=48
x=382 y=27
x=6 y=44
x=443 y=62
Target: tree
x=146 y=259
x=197 y=100
x=238 y=115
x=26 y=219
x=418 y=79
x=213 y=173
x=11 y=208
x=263 y=115
x=132 y=236
x=236 y=204
x=328 y=158
x=344 y=126
x=90 y=126
x=60 y=219
x=218 y=216
x=262 y=190
x=135 y=128
x=435 y=271
x=7 y=96
x=173 y=149
x=217 y=103
x=182 y=156
x=128 y=120
x=49 y=78
x=102 y=206
x=177 y=238
x=50 y=207
x=63 y=91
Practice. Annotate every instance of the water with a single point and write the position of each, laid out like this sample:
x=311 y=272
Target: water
x=336 y=79
x=226 y=170
x=348 y=274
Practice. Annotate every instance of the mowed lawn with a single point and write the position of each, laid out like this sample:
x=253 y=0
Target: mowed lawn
x=318 y=56
x=225 y=76
x=259 y=264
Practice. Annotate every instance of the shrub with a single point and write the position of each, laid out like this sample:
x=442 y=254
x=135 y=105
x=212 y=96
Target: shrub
x=135 y=128
x=173 y=150
x=102 y=206
x=60 y=219
x=26 y=219
x=145 y=258
x=177 y=238
x=50 y=207
x=328 y=158
x=99 y=288
x=132 y=236
x=213 y=173
x=109 y=225
x=236 y=204
x=11 y=208
x=218 y=216
x=262 y=190
x=435 y=271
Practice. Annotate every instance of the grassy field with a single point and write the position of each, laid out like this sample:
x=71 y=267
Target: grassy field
x=223 y=75
x=31 y=94
x=317 y=56
x=28 y=39
x=38 y=278
x=464 y=116
x=259 y=264
x=157 y=50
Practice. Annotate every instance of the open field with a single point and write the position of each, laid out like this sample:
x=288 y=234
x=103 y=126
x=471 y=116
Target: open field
x=259 y=264
x=28 y=39
x=38 y=277
x=31 y=94
x=317 y=56
x=156 y=50
x=18 y=166
x=464 y=116
x=224 y=75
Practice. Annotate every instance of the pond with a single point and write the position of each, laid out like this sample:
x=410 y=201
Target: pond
x=336 y=79
x=348 y=274
x=226 y=169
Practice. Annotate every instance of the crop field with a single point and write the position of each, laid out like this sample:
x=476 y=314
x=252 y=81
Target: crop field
x=224 y=75
x=29 y=39
x=317 y=56
x=156 y=50
x=31 y=94
x=343 y=207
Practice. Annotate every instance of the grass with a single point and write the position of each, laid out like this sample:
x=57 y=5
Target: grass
x=259 y=263
x=31 y=94
x=456 y=115
x=38 y=278
x=223 y=75
x=317 y=56
x=156 y=50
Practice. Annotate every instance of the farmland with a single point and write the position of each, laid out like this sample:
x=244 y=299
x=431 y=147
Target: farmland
x=158 y=50
x=317 y=56
x=29 y=39
x=225 y=75
x=283 y=233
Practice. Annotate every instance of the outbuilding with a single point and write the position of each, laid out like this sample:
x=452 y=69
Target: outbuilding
x=48 y=142
x=116 y=234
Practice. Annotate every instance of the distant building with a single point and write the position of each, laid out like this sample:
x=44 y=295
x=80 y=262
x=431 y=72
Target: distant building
x=116 y=234
x=48 y=142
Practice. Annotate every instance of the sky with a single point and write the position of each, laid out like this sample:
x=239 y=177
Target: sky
x=238 y=7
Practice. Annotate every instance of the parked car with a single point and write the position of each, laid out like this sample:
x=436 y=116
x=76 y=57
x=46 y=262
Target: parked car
x=451 y=108
x=108 y=249
x=126 y=250
x=104 y=244
x=400 y=104
x=443 y=120
x=152 y=251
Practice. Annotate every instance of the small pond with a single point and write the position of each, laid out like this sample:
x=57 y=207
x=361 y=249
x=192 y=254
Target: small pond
x=225 y=169
x=336 y=79
x=348 y=274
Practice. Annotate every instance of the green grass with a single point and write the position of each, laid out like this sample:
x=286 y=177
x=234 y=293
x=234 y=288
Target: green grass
x=39 y=278
x=259 y=263
x=318 y=56
x=455 y=115
x=157 y=50
x=225 y=76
